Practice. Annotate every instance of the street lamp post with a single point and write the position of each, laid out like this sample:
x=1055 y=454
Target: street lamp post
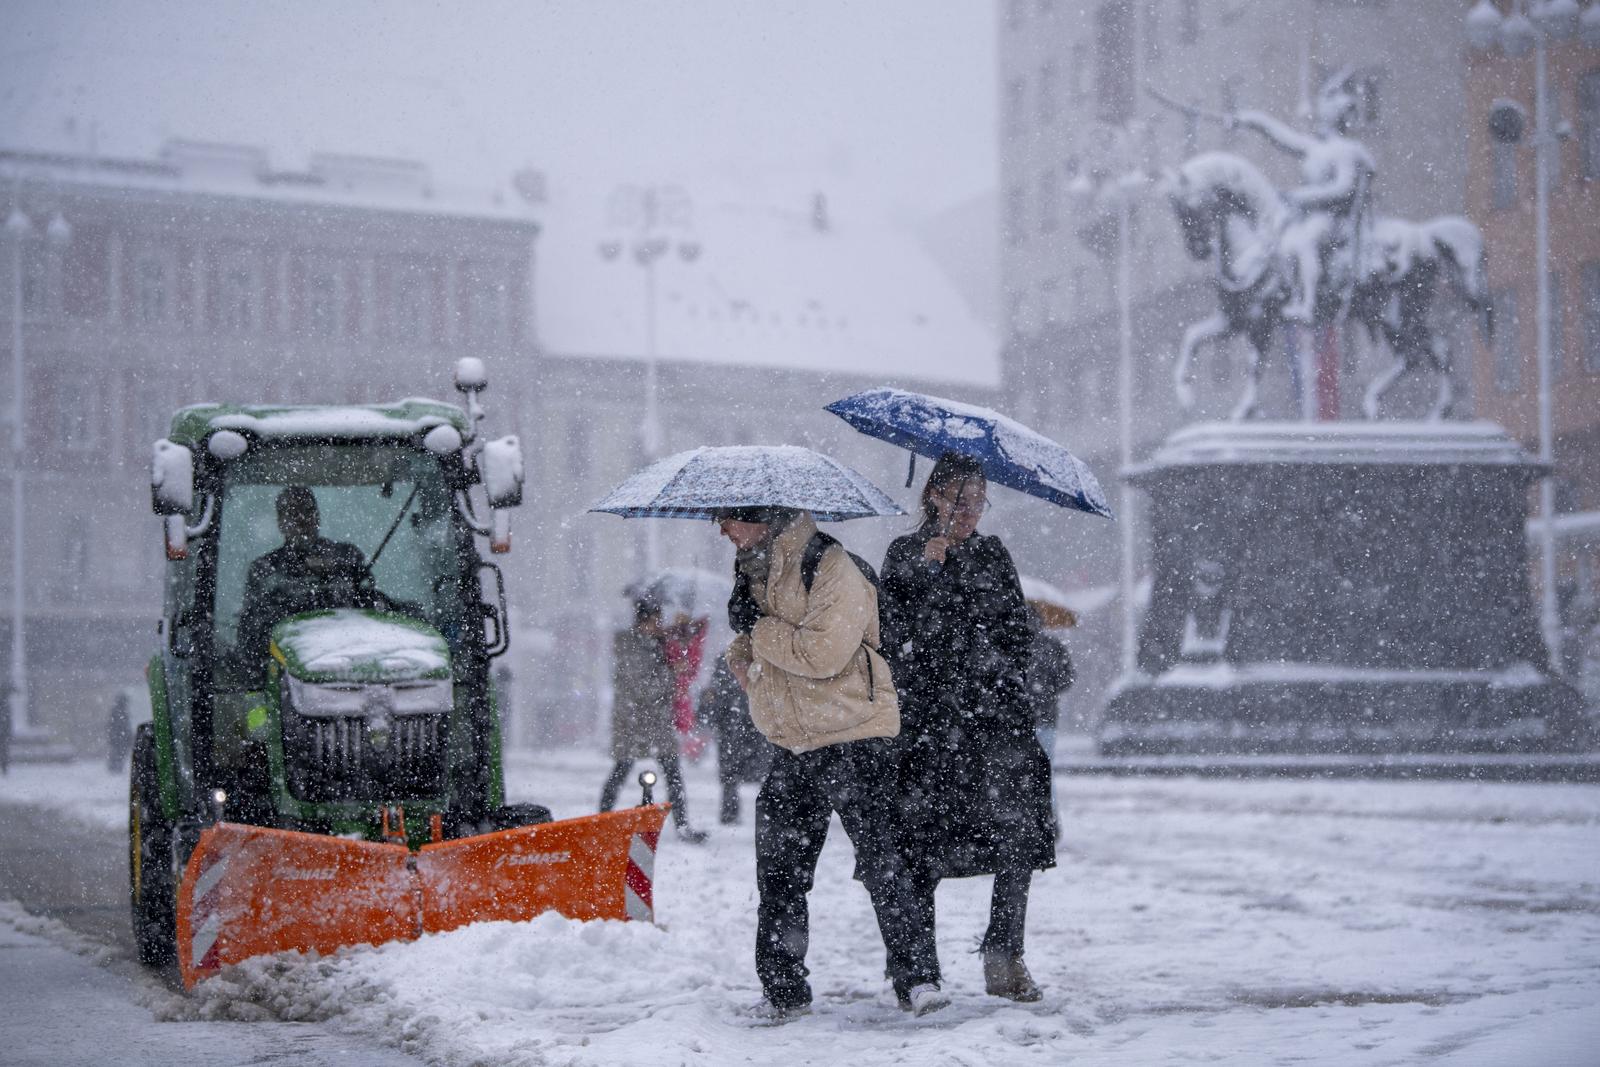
x=649 y=214
x=1120 y=191
x=18 y=228
x=1516 y=34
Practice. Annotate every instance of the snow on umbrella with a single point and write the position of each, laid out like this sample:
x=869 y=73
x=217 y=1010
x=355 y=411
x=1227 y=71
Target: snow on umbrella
x=694 y=484
x=1011 y=454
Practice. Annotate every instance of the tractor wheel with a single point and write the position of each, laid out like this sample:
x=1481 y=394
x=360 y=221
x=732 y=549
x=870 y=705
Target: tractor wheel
x=152 y=882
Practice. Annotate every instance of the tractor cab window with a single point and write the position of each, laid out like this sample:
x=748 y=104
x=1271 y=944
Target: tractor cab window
x=304 y=528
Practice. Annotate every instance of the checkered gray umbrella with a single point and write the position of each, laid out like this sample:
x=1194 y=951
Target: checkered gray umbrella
x=694 y=484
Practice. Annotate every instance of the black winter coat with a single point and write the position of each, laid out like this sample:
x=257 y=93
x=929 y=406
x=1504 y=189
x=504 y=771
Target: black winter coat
x=974 y=781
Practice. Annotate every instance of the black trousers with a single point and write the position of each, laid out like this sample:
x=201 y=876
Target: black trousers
x=801 y=792
x=1008 y=909
x=669 y=770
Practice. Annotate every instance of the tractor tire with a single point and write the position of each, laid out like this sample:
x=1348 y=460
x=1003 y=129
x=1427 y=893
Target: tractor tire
x=152 y=879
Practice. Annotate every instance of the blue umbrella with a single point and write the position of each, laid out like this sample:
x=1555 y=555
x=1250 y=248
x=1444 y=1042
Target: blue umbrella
x=696 y=483
x=1011 y=454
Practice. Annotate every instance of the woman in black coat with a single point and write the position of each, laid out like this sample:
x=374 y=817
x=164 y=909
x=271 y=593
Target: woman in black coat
x=974 y=778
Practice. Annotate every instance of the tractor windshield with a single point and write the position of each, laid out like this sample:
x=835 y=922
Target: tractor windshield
x=308 y=527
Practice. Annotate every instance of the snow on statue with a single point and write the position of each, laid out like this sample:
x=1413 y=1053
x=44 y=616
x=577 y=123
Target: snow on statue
x=1315 y=255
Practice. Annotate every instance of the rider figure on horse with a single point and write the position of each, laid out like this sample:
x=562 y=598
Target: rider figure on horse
x=1324 y=236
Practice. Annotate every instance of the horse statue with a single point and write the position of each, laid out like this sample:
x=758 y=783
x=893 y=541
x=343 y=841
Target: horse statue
x=1232 y=216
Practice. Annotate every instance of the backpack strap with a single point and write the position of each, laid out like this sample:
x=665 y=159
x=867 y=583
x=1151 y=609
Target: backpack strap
x=810 y=560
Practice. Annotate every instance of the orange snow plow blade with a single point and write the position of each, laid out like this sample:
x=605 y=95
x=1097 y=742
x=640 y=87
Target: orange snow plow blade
x=599 y=867
x=250 y=891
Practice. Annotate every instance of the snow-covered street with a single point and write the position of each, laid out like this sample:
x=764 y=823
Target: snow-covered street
x=1189 y=921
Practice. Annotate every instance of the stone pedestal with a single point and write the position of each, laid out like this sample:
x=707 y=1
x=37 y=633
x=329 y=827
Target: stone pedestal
x=1349 y=587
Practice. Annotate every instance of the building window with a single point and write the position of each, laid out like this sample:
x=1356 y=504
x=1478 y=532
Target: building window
x=1015 y=206
x=1507 y=346
x=1048 y=88
x=1591 y=316
x=412 y=291
x=486 y=302
x=1589 y=124
x=77 y=412
x=1078 y=74
x=238 y=292
x=1189 y=21
x=1049 y=201
x=324 y=298
x=152 y=288
x=1050 y=300
x=1114 y=61
x=1013 y=116
x=1504 y=192
x=578 y=448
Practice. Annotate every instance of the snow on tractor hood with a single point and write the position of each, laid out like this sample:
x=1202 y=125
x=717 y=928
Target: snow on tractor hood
x=350 y=645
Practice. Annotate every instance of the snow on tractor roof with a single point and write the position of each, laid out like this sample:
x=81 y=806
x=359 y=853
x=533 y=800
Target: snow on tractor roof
x=355 y=422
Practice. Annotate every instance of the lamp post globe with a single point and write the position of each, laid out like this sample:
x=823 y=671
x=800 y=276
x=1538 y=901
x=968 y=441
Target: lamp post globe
x=1483 y=25
x=1589 y=26
x=1517 y=35
x=1558 y=18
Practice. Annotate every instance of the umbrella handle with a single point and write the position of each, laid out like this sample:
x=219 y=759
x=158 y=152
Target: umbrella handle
x=911 y=471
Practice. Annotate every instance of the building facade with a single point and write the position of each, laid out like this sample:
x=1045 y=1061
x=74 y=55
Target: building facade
x=1501 y=195
x=207 y=275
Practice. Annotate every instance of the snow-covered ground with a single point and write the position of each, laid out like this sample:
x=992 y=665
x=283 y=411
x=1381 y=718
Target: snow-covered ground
x=1337 y=923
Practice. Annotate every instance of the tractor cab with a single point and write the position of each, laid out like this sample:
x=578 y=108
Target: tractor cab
x=326 y=633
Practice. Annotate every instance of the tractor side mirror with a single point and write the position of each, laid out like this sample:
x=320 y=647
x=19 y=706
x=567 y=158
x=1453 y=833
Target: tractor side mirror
x=171 y=479
x=172 y=493
x=500 y=469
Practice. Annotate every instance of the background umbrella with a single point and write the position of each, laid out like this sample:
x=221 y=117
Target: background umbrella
x=1011 y=454
x=694 y=484
x=1050 y=603
x=694 y=591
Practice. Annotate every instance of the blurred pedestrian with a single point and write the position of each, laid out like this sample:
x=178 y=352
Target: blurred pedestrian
x=974 y=780
x=685 y=641
x=743 y=755
x=806 y=616
x=641 y=713
x=119 y=734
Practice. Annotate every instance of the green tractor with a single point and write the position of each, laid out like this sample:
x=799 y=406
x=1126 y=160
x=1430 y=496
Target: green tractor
x=323 y=764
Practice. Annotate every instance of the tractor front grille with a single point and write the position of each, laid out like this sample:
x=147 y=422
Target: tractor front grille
x=337 y=758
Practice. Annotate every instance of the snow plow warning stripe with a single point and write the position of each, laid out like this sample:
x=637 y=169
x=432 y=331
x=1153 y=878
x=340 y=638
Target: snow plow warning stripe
x=250 y=890
x=637 y=893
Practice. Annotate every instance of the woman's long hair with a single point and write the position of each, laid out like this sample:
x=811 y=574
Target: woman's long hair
x=951 y=469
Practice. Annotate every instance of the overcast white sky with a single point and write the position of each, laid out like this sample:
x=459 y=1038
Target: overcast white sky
x=893 y=98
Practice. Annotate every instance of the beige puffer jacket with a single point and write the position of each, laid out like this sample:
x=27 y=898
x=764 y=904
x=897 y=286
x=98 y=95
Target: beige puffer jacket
x=809 y=654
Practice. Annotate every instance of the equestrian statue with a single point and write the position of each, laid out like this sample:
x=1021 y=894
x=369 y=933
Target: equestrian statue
x=1316 y=256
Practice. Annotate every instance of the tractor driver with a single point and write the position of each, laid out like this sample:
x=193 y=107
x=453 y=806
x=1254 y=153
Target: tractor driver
x=307 y=572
